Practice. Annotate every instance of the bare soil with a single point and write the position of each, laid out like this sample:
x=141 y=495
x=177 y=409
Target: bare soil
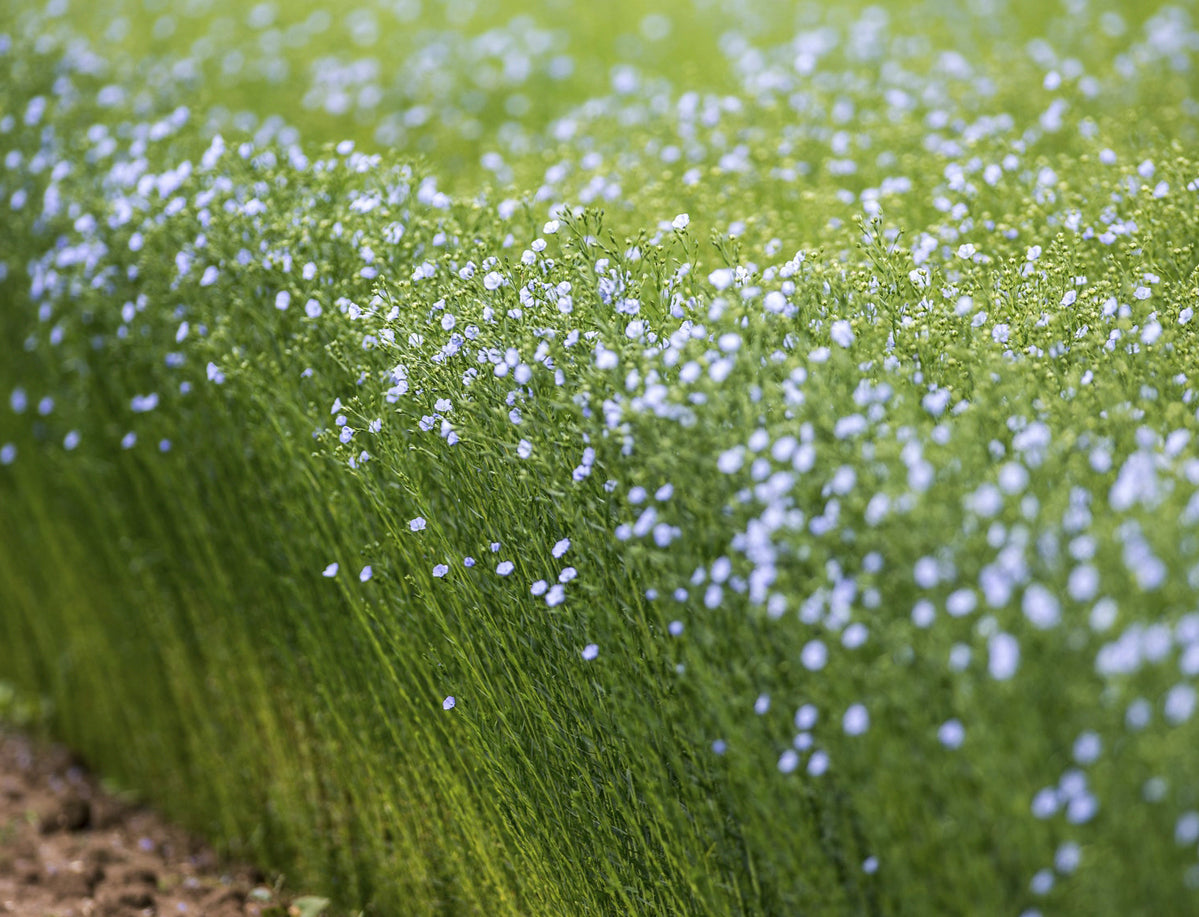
x=68 y=849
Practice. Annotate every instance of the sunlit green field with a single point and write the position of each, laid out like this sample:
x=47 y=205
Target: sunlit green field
x=708 y=458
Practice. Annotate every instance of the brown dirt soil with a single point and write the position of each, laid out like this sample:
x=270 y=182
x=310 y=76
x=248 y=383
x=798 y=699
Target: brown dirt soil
x=68 y=849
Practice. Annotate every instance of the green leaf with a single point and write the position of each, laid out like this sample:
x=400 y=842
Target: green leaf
x=309 y=906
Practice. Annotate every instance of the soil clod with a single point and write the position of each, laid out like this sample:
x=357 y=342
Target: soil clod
x=69 y=849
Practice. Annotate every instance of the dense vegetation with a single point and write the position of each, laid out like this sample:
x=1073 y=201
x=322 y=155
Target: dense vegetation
x=727 y=459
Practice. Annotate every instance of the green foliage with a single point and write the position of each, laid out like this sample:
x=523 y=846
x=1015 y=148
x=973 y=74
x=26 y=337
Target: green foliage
x=729 y=459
